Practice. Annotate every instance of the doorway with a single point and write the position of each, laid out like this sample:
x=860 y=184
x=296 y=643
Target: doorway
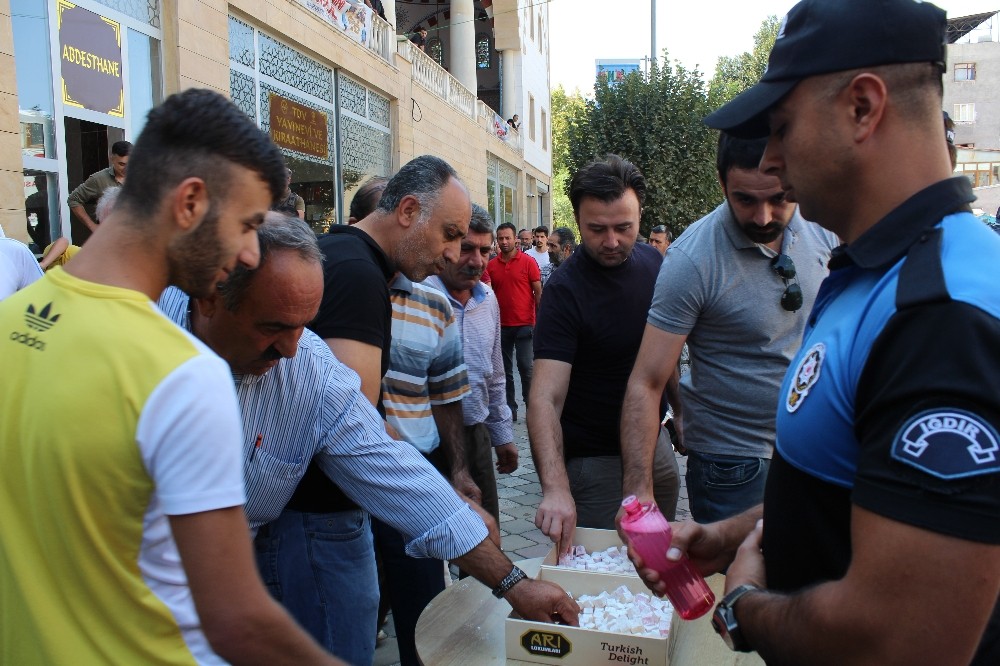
x=87 y=147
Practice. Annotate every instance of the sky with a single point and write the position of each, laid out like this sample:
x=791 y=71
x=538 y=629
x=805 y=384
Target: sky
x=695 y=32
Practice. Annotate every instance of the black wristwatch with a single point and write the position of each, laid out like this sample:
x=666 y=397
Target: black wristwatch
x=724 y=619
x=510 y=580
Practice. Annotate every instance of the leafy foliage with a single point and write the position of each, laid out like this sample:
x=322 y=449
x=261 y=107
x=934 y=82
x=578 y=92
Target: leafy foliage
x=734 y=74
x=654 y=121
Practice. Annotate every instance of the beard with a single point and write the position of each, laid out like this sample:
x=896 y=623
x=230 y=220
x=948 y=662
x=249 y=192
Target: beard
x=759 y=234
x=414 y=257
x=195 y=259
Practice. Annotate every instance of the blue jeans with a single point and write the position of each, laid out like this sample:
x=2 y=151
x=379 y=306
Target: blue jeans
x=723 y=486
x=517 y=339
x=411 y=582
x=321 y=567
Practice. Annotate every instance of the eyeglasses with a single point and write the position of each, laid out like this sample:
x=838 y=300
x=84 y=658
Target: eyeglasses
x=783 y=265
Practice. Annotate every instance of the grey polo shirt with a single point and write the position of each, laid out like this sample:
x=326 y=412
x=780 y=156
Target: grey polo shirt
x=718 y=288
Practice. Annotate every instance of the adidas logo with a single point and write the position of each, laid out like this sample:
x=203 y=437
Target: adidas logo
x=40 y=321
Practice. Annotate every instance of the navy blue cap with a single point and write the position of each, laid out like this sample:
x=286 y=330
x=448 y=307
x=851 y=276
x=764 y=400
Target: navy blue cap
x=824 y=36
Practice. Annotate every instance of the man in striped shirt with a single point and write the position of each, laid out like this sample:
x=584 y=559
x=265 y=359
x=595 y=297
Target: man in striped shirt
x=422 y=393
x=488 y=420
x=300 y=404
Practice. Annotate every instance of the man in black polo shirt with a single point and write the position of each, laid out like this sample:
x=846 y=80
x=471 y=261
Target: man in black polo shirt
x=318 y=555
x=590 y=324
x=880 y=539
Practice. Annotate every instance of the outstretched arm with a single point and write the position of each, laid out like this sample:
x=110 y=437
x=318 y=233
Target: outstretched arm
x=556 y=514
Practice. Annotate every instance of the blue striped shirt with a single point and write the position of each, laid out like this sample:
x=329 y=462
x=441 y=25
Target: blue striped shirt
x=311 y=405
x=426 y=366
x=479 y=326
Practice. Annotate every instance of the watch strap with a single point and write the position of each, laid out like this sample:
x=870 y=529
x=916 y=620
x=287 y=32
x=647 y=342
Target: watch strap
x=724 y=619
x=509 y=581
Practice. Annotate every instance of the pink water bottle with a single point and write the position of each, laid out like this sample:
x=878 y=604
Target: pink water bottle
x=649 y=533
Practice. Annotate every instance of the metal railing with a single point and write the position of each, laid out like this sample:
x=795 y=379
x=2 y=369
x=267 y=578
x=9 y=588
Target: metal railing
x=382 y=38
x=432 y=76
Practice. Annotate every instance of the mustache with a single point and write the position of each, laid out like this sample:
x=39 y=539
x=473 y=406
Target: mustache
x=271 y=354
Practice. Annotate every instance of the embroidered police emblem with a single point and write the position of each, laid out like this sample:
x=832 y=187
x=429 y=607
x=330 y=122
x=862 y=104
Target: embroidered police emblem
x=948 y=444
x=805 y=376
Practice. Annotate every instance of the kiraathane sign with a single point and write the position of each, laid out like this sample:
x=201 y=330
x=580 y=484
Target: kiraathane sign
x=90 y=48
x=298 y=127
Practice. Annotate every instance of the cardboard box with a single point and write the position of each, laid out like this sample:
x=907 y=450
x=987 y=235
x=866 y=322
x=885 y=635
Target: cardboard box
x=560 y=644
x=592 y=540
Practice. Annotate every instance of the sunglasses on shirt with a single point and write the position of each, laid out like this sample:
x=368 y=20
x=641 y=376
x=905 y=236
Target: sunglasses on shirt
x=783 y=265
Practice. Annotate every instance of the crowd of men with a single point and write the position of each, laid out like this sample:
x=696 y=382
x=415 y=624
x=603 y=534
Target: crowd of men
x=244 y=423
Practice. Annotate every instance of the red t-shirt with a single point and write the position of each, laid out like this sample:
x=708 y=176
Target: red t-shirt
x=511 y=280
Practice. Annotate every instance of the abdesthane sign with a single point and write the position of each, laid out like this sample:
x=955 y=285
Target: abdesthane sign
x=90 y=53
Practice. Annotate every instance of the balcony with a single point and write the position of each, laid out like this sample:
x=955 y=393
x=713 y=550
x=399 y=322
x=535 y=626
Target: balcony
x=499 y=128
x=381 y=39
x=437 y=80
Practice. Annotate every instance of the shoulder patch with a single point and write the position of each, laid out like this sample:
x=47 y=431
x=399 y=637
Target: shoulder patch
x=806 y=375
x=948 y=444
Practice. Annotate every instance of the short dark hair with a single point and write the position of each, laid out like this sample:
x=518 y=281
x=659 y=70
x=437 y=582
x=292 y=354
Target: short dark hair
x=197 y=133
x=481 y=222
x=365 y=200
x=565 y=236
x=508 y=225
x=542 y=229
x=606 y=180
x=422 y=177
x=278 y=232
x=121 y=148
x=663 y=229
x=734 y=153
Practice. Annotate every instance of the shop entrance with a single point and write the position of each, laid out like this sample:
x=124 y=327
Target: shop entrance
x=87 y=146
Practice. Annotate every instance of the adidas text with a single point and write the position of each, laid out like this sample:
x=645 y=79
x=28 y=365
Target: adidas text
x=29 y=340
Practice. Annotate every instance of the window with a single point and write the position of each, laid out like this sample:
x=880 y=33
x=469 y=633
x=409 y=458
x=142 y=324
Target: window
x=531 y=18
x=965 y=71
x=540 y=33
x=964 y=113
x=531 y=117
x=483 y=51
x=545 y=134
x=436 y=50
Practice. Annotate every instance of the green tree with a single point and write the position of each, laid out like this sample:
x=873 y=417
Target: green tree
x=568 y=110
x=734 y=74
x=655 y=121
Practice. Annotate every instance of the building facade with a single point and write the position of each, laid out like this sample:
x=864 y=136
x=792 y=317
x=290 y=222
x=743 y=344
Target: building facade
x=343 y=93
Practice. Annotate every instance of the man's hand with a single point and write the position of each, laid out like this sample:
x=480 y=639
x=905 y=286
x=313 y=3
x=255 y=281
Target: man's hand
x=466 y=487
x=676 y=431
x=556 y=517
x=710 y=547
x=543 y=601
x=748 y=567
x=506 y=457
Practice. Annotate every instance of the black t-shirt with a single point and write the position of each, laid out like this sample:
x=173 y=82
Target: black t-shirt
x=593 y=318
x=355 y=306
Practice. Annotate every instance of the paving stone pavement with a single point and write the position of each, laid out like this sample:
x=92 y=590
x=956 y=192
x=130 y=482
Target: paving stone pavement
x=520 y=494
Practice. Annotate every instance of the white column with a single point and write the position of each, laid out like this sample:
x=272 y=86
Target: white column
x=510 y=77
x=462 y=33
x=389 y=7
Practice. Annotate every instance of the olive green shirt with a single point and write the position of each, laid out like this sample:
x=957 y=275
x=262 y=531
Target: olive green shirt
x=90 y=190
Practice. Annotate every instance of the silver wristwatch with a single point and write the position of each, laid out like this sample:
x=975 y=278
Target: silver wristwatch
x=509 y=581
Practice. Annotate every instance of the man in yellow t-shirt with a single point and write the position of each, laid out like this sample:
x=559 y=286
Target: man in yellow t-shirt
x=123 y=539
